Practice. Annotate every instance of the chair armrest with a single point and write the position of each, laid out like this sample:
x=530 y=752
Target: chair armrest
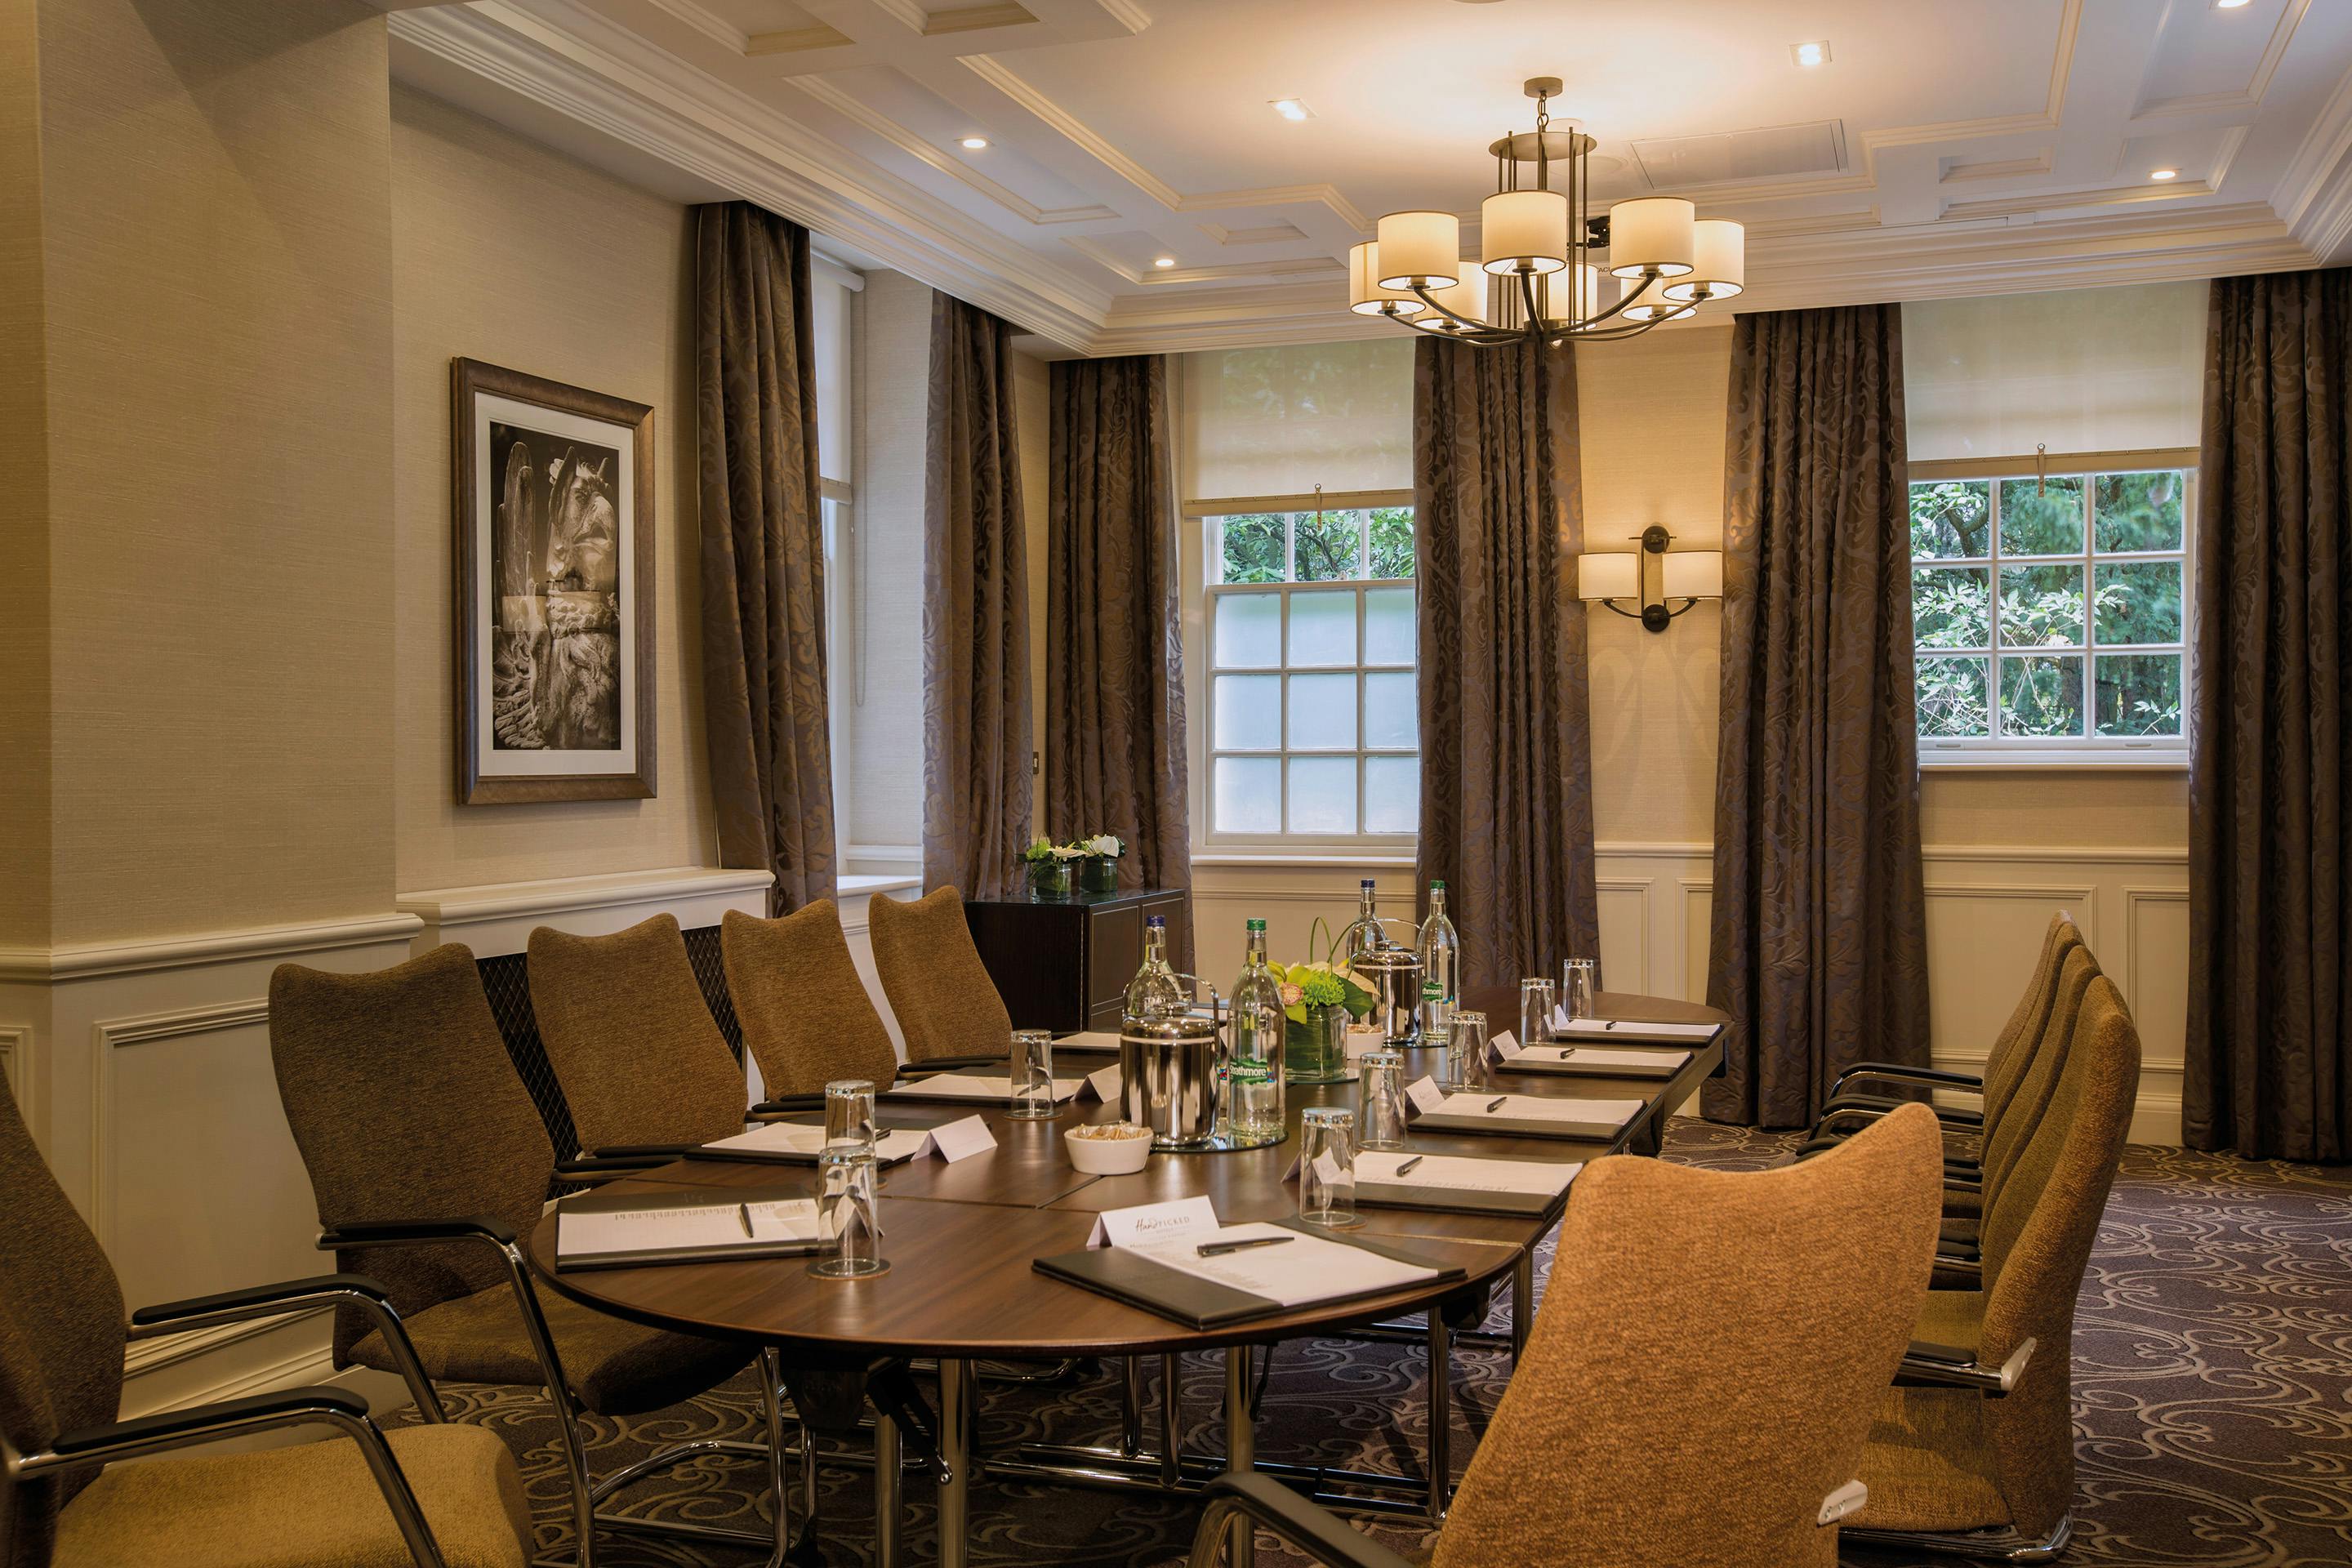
x=1894 y=1072
x=416 y=1232
x=949 y=1064
x=640 y=1152
x=1262 y=1499
x=1949 y=1366
x=294 y=1296
x=597 y=1168
x=787 y=1104
x=347 y=1413
x=1957 y=1263
x=1877 y=1105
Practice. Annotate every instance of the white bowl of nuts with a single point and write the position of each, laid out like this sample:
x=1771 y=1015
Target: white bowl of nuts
x=1108 y=1148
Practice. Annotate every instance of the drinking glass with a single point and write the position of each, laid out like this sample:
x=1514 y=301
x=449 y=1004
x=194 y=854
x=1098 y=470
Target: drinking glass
x=1032 y=1075
x=1576 y=988
x=849 y=1113
x=1380 y=1102
x=1326 y=1166
x=1534 y=1012
x=848 y=1228
x=1465 y=1048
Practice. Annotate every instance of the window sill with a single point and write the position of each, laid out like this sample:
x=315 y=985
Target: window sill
x=2166 y=760
x=1387 y=856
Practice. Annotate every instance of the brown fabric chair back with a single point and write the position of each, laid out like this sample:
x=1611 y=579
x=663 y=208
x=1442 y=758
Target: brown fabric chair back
x=406 y=1107
x=806 y=1017
x=2005 y=1063
x=631 y=1038
x=2028 y=1103
x=1709 y=1356
x=2037 y=1242
x=61 y=1334
x=946 y=1004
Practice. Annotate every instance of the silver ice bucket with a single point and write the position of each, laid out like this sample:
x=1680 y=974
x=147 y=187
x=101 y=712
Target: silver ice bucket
x=1171 y=1074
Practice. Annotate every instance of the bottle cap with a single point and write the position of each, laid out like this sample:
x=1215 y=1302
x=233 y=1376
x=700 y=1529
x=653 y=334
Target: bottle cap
x=1367 y=882
x=1249 y=925
x=1154 y=922
x=1437 y=886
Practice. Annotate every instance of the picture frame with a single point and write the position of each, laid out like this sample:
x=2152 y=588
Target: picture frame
x=553 y=519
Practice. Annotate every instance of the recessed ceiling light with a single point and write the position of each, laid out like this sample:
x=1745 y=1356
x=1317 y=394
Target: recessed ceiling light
x=1293 y=108
x=2228 y=4
x=2164 y=173
x=974 y=144
x=1816 y=53
x=1163 y=261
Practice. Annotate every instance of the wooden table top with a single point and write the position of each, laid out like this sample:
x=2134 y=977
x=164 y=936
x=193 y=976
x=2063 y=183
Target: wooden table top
x=960 y=1237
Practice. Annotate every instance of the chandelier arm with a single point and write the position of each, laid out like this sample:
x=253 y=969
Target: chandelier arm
x=1424 y=296
x=1535 y=318
x=1633 y=297
x=1617 y=333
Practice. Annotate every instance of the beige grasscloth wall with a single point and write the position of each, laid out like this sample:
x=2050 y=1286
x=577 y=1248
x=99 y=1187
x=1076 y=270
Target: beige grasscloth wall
x=24 y=496
x=1653 y=427
x=505 y=251
x=216 y=249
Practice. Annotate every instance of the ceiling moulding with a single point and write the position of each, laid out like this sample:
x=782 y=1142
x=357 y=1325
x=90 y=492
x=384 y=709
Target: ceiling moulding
x=707 y=22
x=2136 y=193
x=796 y=41
x=857 y=111
x=2038 y=163
x=2246 y=97
x=2314 y=196
x=553 y=54
x=1156 y=277
x=1268 y=233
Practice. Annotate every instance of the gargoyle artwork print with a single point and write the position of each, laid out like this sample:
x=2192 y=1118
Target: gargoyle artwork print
x=554 y=500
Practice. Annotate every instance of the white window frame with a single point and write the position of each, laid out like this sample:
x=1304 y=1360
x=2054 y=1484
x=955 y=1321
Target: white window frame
x=1201 y=564
x=2088 y=751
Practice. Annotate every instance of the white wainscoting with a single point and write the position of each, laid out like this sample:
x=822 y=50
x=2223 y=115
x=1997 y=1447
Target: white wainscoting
x=1987 y=907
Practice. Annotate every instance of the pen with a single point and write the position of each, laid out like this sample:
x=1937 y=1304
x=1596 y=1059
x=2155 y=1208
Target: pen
x=1495 y=1104
x=1219 y=1248
x=744 y=1212
x=1409 y=1164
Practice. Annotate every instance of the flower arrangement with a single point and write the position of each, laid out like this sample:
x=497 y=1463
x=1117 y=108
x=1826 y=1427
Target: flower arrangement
x=1044 y=851
x=1049 y=868
x=1098 y=872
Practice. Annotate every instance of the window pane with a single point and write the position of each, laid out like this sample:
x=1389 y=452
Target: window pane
x=1392 y=541
x=1249 y=630
x=1391 y=794
x=2042 y=694
x=1251 y=548
x=1328 y=546
x=1951 y=519
x=2042 y=606
x=1389 y=720
x=1249 y=713
x=1323 y=795
x=1323 y=628
x=2139 y=602
x=1249 y=794
x=1388 y=626
x=1951 y=607
x=2139 y=512
x=1952 y=697
x=1322 y=713
x=2036 y=520
x=2139 y=694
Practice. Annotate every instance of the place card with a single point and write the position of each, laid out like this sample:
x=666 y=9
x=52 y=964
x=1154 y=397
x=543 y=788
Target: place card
x=953 y=1140
x=1425 y=1095
x=1146 y=1224
x=1502 y=1048
x=1105 y=1083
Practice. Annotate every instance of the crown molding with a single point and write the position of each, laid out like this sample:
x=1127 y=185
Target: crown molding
x=859 y=112
x=2247 y=97
x=2314 y=196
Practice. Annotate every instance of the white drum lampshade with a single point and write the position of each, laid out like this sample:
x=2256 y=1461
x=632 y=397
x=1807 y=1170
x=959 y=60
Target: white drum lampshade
x=1652 y=234
x=1523 y=231
x=1470 y=299
x=1718 y=261
x=1692 y=574
x=1423 y=247
x=1365 y=295
x=1614 y=574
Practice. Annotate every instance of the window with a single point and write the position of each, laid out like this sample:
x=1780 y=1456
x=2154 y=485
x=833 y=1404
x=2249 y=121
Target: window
x=2050 y=614
x=1312 y=708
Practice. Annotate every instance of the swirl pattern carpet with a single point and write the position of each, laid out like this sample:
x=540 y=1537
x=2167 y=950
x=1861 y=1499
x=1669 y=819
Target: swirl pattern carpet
x=2212 y=1403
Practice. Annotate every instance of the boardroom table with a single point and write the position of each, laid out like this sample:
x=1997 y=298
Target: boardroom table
x=961 y=1238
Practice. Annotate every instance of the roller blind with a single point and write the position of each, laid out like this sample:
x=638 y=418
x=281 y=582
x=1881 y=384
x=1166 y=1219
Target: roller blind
x=836 y=370
x=1281 y=421
x=2089 y=369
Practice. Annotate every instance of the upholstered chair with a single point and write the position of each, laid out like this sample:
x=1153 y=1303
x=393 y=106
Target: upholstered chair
x=429 y=1164
x=1697 y=1385
x=1977 y=1454
x=938 y=989
x=807 y=1019
x=639 y=1057
x=433 y=1494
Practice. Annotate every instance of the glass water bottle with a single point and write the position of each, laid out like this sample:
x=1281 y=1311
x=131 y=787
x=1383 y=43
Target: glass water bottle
x=1253 y=1078
x=1441 y=968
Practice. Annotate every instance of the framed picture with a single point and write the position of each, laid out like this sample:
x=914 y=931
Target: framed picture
x=553 y=499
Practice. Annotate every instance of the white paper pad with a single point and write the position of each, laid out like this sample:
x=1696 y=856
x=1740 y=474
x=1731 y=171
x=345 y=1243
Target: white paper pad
x=588 y=1235
x=800 y=1138
x=1595 y=1057
x=1088 y=1040
x=1626 y=1029
x=1378 y=1168
x=1302 y=1270
x=965 y=1085
x=1533 y=1108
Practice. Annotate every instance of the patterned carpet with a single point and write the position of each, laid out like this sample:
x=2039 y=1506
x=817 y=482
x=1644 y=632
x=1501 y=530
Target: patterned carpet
x=2212 y=1403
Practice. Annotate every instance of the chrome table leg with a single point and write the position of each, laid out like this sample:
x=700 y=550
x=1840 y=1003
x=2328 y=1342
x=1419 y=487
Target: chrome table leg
x=886 y=1492
x=955 y=1456
x=1441 y=1416
x=1523 y=1303
x=1241 y=1445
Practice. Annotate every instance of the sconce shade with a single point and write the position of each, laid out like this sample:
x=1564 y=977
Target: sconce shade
x=1720 y=261
x=1652 y=232
x=1694 y=574
x=1424 y=247
x=1523 y=231
x=1365 y=295
x=1616 y=575
x=1470 y=299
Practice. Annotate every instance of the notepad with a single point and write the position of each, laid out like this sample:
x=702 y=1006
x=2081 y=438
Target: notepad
x=1169 y=1277
x=1527 y=1115
x=1626 y=1029
x=974 y=1085
x=595 y=1231
x=1088 y=1040
x=800 y=1144
x=1377 y=1168
x=1595 y=1061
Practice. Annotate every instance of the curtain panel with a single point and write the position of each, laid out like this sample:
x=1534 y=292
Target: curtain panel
x=1505 y=747
x=977 y=792
x=1114 y=759
x=1818 y=945
x=2269 y=1063
x=763 y=632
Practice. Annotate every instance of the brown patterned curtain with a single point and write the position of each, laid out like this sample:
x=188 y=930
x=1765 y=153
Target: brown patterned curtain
x=2270 y=889
x=1114 y=642
x=1820 y=950
x=763 y=634
x=976 y=735
x=1505 y=749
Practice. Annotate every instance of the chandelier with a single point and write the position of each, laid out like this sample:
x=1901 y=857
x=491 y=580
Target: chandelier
x=1547 y=270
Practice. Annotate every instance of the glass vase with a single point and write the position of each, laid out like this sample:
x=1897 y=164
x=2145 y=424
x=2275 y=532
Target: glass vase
x=1049 y=880
x=1098 y=874
x=1317 y=1050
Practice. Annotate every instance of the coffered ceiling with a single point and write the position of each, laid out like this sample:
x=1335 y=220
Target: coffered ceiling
x=1942 y=149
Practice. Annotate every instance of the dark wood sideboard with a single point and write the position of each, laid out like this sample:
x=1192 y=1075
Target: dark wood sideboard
x=1065 y=966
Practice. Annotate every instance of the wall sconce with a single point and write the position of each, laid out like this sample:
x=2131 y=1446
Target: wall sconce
x=1651 y=578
